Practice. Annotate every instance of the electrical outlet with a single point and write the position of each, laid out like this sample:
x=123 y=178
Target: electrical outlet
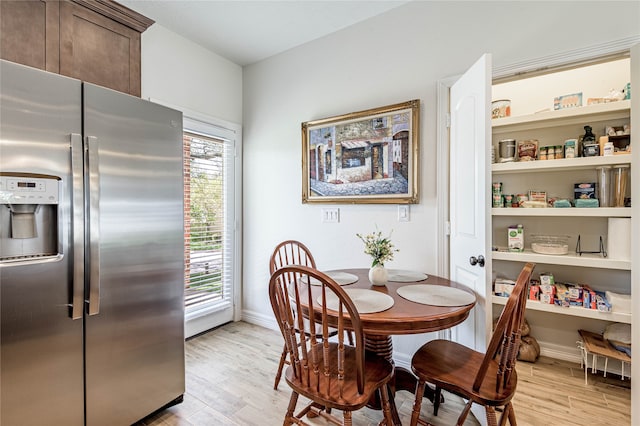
x=403 y=213
x=331 y=215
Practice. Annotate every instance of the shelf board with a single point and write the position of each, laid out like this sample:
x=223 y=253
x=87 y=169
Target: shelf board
x=576 y=311
x=546 y=118
x=570 y=259
x=563 y=164
x=564 y=212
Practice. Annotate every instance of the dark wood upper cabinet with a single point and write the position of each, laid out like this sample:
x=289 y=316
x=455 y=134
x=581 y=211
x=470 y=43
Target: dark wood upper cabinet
x=97 y=41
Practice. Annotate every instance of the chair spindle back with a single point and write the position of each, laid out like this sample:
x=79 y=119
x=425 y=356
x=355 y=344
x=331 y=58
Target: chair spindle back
x=505 y=342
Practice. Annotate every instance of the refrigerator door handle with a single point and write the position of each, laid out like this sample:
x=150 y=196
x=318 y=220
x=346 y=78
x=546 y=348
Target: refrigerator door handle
x=77 y=204
x=94 y=225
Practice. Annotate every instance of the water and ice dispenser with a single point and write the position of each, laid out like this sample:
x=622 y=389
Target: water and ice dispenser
x=28 y=216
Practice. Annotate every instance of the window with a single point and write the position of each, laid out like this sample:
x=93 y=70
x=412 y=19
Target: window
x=204 y=220
x=211 y=242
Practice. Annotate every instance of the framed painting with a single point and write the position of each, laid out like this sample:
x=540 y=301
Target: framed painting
x=362 y=157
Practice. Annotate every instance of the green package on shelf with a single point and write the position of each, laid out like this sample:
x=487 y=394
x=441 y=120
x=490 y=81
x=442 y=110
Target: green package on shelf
x=587 y=202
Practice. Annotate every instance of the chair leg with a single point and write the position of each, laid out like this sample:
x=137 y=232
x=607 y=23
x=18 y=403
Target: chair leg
x=436 y=400
x=283 y=359
x=348 y=421
x=415 y=415
x=350 y=337
x=288 y=417
x=464 y=414
x=512 y=414
x=491 y=416
x=386 y=406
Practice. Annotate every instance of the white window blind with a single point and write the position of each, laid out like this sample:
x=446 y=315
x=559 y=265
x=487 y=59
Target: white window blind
x=209 y=237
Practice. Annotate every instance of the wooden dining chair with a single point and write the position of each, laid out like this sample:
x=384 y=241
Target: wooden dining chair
x=291 y=252
x=331 y=374
x=488 y=379
x=286 y=253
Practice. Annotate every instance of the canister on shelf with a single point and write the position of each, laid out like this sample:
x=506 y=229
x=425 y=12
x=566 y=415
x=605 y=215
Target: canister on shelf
x=603 y=185
x=507 y=150
x=551 y=153
x=498 y=200
x=559 y=151
x=543 y=153
x=620 y=184
x=508 y=200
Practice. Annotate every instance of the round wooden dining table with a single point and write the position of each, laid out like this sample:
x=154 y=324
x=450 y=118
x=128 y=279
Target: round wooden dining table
x=402 y=318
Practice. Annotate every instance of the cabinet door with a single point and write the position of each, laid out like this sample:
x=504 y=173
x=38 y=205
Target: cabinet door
x=99 y=50
x=29 y=33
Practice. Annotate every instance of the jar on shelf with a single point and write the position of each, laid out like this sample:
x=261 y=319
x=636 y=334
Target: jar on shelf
x=620 y=184
x=603 y=186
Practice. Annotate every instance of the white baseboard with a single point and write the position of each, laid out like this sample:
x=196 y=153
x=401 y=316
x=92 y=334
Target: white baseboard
x=565 y=353
x=262 y=320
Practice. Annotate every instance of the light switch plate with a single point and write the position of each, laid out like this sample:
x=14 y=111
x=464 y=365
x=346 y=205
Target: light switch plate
x=403 y=213
x=331 y=215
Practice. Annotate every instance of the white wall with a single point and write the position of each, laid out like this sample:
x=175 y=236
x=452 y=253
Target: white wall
x=180 y=73
x=391 y=58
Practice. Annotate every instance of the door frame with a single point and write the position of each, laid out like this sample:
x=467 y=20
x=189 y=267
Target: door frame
x=198 y=324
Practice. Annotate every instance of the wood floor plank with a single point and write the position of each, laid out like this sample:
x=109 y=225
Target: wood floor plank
x=230 y=373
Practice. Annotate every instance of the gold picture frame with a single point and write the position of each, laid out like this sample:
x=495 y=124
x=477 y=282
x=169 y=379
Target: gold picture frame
x=366 y=157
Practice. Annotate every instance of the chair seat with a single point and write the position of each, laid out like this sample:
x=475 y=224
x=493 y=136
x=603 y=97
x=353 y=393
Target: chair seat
x=377 y=371
x=454 y=367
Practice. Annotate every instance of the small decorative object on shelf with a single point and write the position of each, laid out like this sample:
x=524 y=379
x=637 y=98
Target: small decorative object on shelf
x=601 y=250
x=381 y=249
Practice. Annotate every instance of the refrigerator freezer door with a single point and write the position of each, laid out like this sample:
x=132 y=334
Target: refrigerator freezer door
x=135 y=343
x=40 y=344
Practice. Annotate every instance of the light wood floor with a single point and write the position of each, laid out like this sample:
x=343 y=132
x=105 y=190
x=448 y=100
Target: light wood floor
x=230 y=374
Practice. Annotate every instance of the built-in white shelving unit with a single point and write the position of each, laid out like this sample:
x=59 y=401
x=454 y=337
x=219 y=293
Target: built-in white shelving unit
x=557 y=177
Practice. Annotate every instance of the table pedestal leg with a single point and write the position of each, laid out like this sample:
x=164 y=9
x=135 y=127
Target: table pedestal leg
x=403 y=379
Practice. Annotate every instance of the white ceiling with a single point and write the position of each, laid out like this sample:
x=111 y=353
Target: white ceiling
x=248 y=31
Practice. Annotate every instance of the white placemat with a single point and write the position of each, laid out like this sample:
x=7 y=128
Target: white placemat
x=436 y=295
x=342 y=278
x=404 y=276
x=366 y=301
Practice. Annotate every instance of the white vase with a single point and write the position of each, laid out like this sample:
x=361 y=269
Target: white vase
x=378 y=275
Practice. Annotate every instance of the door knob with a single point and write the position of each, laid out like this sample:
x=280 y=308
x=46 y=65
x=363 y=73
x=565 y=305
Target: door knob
x=477 y=261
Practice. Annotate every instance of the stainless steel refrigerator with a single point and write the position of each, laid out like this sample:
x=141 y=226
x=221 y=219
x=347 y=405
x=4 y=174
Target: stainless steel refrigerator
x=91 y=253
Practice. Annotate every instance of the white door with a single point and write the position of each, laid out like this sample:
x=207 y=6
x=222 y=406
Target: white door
x=470 y=142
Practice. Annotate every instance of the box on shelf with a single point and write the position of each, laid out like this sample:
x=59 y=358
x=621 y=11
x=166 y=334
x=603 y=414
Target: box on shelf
x=588 y=297
x=547 y=282
x=567 y=101
x=540 y=196
x=547 y=298
x=515 y=238
x=584 y=190
x=620 y=303
x=602 y=304
x=503 y=287
x=534 y=292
